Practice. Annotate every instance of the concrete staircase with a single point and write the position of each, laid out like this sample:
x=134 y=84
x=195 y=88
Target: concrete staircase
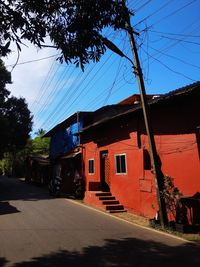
x=109 y=202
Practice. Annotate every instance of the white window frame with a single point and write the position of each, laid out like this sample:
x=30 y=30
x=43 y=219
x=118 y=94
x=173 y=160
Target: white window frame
x=117 y=155
x=91 y=173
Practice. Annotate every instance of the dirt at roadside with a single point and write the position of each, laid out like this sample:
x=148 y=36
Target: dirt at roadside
x=133 y=218
x=145 y=222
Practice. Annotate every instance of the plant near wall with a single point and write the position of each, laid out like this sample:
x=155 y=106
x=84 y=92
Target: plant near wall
x=172 y=196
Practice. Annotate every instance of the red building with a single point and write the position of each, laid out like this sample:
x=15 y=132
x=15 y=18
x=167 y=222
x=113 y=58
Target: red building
x=116 y=152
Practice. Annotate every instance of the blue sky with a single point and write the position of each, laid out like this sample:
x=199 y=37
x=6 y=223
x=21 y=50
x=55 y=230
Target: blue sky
x=168 y=47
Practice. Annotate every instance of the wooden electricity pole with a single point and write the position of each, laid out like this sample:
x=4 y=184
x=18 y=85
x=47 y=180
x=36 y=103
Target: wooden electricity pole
x=152 y=147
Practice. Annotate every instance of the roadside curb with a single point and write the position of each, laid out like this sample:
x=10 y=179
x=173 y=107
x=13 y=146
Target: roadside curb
x=130 y=222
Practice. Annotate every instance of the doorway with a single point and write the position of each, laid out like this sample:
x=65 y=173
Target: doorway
x=105 y=171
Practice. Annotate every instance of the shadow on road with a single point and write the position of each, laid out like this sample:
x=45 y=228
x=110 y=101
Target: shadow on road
x=16 y=189
x=7 y=208
x=3 y=261
x=121 y=253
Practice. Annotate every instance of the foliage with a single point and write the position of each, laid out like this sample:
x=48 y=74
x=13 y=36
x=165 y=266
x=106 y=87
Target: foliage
x=15 y=117
x=40 y=145
x=19 y=123
x=5 y=77
x=171 y=195
x=75 y=27
x=17 y=166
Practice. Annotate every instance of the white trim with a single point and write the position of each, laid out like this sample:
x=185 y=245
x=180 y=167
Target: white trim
x=91 y=173
x=120 y=173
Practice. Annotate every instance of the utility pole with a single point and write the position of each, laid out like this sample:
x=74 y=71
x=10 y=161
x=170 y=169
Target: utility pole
x=151 y=140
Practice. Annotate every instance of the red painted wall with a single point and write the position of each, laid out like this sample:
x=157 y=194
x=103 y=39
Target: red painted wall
x=174 y=127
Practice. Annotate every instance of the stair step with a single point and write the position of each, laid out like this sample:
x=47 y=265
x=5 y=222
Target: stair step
x=103 y=194
x=107 y=198
x=114 y=207
x=110 y=202
x=116 y=211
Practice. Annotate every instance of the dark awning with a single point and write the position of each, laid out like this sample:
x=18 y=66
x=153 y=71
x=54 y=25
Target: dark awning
x=71 y=155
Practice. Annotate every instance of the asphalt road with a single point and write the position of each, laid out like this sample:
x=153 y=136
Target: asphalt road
x=37 y=230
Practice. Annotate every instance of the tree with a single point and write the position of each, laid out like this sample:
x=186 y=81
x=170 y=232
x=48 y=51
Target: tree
x=15 y=117
x=15 y=122
x=40 y=145
x=19 y=123
x=75 y=27
x=5 y=78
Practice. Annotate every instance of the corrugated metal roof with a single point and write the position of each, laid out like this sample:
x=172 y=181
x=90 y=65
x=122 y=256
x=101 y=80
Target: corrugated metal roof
x=134 y=99
x=195 y=87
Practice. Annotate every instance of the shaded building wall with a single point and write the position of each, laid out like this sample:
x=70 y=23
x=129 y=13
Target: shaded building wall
x=68 y=168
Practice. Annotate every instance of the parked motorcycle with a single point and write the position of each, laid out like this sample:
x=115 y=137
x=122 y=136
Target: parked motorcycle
x=79 y=188
x=54 y=186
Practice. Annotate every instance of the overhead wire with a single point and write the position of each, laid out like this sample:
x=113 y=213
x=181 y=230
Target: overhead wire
x=38 y=96
x=155 y=12
x=75 y=90
x=85 y=87
x=172 y=13
x=171 y=44
x=166 y=66
x=180 y=40
x=176 y=34
x=46 y=87
x=176 y=58
x=117 y=74
x=31 y=61
x=67 y=93
x=54 y=91
x=62 y=102
x=143 y=5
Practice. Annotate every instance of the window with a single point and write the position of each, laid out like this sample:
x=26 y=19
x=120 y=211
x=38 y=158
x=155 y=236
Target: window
x=120 y=163
x=91 y=166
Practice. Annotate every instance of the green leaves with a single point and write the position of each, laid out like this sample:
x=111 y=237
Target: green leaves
x=75 y=27
x=15 y=117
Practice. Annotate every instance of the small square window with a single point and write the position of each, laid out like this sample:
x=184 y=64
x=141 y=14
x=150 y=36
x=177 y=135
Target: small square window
x=120 y=161
x=91 y=166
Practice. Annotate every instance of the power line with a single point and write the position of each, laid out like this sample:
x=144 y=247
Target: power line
x=166 y=48
x=176 y=58
x=180 y=40
x=53 y=91
x=153 y=13
x=114 y=82
x=95 y=81
x=143 y=5
x=172 y=13
x=176 y=34
x=73 y=93
x=48 y=83
x=51 y=115
x=31 y=61
x=166 y=66
x=85 y=87
x=64 y=100
x=42 y=86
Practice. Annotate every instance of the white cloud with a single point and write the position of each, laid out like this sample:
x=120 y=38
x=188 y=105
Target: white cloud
x=28 y=78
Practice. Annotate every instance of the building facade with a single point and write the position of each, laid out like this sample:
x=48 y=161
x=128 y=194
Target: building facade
x=116 y=152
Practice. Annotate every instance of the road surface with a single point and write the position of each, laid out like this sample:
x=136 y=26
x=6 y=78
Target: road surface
x=37 y=230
